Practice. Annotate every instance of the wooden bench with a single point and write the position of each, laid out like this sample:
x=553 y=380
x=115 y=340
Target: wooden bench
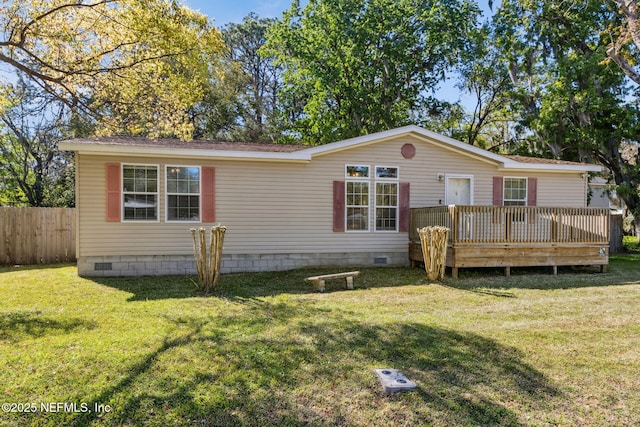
x=318 y=281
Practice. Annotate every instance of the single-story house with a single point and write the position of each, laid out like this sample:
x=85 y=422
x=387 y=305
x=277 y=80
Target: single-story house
x=287 y=206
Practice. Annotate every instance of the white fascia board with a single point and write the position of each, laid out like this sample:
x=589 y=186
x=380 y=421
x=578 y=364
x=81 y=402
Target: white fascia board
x=511 y=165
x=141 y=151
x=358 y=140
x=305 y=155
x=503 y=163
x=421 y=133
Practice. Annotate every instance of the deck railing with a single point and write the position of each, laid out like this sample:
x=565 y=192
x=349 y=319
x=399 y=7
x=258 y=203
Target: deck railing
x=514 y=224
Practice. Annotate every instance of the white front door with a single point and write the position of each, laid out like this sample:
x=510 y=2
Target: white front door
x=459 y=190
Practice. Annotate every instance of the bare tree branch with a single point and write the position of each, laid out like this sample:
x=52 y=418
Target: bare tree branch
x=629 y=33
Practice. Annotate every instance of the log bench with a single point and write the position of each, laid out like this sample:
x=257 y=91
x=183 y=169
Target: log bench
x=318 y=281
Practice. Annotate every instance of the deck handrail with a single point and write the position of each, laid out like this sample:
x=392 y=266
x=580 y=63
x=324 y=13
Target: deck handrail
x=480 y=224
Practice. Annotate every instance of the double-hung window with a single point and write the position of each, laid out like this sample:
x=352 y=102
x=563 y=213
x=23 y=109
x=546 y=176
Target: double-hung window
x=381 y=209
x=183 y=193
x=140 y=192
x=515 y=194
x=515 y=191
x=386 y=180
x=357 y=197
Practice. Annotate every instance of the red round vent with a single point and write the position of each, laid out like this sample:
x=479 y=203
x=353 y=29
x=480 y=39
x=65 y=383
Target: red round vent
x=408 y=151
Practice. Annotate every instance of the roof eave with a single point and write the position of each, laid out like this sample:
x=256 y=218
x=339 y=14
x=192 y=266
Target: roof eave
x=172 y=152
x=577 y=168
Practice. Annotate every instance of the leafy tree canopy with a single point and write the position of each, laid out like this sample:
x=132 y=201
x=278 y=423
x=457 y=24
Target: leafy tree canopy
x=262 y=78
x=360 y=66
x=135 y=66
x=32 y=170
x=574 y=103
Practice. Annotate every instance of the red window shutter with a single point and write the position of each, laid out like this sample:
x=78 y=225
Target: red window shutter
x=113 y=206
x=498 y=191
x=532 y=197
x=404 y=205
x=338 y=205
x=532 y=192
x=208 y=194
x=498 y=199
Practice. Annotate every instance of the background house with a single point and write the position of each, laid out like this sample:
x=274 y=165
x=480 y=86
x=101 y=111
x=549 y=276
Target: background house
x=289 y=206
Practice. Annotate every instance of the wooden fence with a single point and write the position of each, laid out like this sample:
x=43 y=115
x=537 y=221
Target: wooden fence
x=37 y=235
x=616 y=234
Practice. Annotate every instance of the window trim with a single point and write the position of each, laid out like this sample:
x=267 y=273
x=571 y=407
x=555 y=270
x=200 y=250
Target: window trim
x=362 y=178
x=372 y=206
x=347 y=205
x=385 y=180
x=396 y=206
x=167 y=194
x=526 y=190
x=123 y=192
x=375 y=173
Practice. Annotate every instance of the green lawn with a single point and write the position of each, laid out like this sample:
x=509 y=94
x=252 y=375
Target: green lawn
x=532 y=349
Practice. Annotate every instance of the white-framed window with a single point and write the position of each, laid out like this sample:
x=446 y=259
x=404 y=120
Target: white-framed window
x=386 y=199
x=387 y=172
x=515 y=191
x=183 y=193
x=381 y=209
x=356 y=171
x=140 y=192
x=386 y=206
x=357 y=197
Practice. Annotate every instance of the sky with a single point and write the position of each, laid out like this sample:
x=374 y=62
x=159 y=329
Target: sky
x=226 y=11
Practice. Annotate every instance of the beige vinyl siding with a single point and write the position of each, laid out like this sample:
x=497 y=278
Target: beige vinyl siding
x=275 y=207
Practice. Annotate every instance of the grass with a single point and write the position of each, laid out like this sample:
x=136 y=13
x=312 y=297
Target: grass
x=532 y=349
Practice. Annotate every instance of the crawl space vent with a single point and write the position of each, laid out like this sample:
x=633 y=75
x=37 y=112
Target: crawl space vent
x=102 y=266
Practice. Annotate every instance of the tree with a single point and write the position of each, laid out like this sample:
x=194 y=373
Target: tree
x=486 y=80
x=259 y=102
x=216 y=115
x=625 y=39
x=360 y=66
x=34 y=172
x=575 y=104
x=135 y=66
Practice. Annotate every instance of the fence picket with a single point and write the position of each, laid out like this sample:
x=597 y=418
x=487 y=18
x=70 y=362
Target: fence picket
x=37 y=235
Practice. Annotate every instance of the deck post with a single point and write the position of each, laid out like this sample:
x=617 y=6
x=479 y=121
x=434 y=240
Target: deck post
x=507 y=271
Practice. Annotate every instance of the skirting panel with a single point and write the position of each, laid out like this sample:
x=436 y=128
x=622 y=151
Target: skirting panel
x=163 y=265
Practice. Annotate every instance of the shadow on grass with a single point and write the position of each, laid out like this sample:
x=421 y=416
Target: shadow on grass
x=15 y=326
x=30 y=267
x=291 y=365
x=255 y=285
x=624 y=269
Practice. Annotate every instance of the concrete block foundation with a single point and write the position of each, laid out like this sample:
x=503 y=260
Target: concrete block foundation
x=179 y=265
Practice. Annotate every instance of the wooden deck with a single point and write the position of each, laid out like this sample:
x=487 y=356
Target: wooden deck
x=514 y=236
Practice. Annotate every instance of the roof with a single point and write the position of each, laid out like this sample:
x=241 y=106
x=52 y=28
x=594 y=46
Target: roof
x=135 y=146
x=133 y=141
x=539 y=160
